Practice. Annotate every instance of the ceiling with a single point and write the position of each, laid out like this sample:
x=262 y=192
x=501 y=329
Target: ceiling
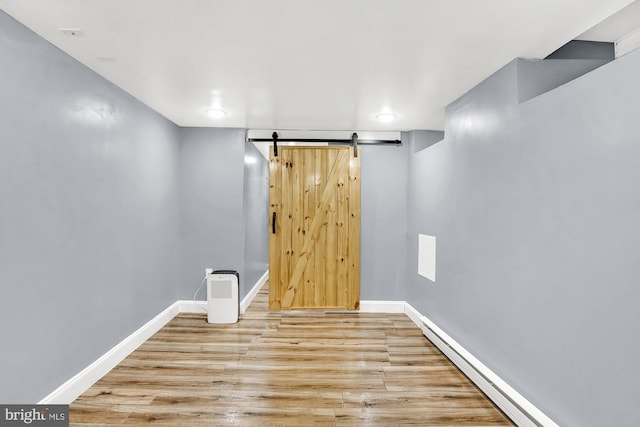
x=305 y=64
x=617 y=26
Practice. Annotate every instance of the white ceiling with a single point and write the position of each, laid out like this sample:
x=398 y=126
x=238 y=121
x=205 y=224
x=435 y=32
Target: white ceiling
x=306 y=64
x=617 y=26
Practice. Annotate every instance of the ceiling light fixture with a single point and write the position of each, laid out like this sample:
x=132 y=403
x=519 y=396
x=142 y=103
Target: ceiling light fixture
x=386 y=117
x=215 y=113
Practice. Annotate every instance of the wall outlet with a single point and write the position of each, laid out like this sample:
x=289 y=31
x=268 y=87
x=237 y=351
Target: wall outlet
x=208 y=271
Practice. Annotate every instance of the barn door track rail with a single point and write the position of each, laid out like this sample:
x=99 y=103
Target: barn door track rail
x=354 y=141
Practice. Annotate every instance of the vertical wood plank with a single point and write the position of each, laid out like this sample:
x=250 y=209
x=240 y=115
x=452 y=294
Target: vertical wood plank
x=275 y=250
x=353 y=283
x=332 y=243
x=297 y=221
x=321 y=241
x=309 y=213
x=287 y=223
x=342 y=224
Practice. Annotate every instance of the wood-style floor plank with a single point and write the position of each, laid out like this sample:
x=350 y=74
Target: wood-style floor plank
x=286 y=369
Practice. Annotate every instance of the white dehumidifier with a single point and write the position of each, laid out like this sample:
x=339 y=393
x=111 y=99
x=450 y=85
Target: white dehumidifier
x=223 y=305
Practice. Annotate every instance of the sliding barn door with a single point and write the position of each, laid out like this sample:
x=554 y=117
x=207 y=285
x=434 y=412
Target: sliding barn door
x=314 y=245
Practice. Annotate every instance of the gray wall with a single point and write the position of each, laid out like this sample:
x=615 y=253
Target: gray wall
x=211 y=198
x=383 y=221
x=255 y=211
x=88 y=215
x=537 y=76
x=535 y=208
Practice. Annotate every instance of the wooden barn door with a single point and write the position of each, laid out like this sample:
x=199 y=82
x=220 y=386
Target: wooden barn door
x=314 y=244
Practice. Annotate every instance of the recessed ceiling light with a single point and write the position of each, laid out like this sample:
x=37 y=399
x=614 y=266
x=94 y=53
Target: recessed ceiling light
x=215 y=113
x=386 y=117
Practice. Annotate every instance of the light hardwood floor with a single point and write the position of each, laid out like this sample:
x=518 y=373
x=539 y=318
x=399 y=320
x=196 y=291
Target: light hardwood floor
x=286 y=369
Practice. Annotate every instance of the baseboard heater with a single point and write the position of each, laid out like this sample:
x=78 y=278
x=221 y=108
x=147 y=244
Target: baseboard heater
x=488 y=380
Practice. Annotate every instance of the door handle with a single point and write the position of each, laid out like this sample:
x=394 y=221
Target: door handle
x=273 y=223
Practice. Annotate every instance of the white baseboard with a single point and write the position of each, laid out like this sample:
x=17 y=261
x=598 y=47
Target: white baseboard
x=247 y=300
x=84 y=379
x=79 y=383
x=381 y=306
x=191 y=306
x=512 y=403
